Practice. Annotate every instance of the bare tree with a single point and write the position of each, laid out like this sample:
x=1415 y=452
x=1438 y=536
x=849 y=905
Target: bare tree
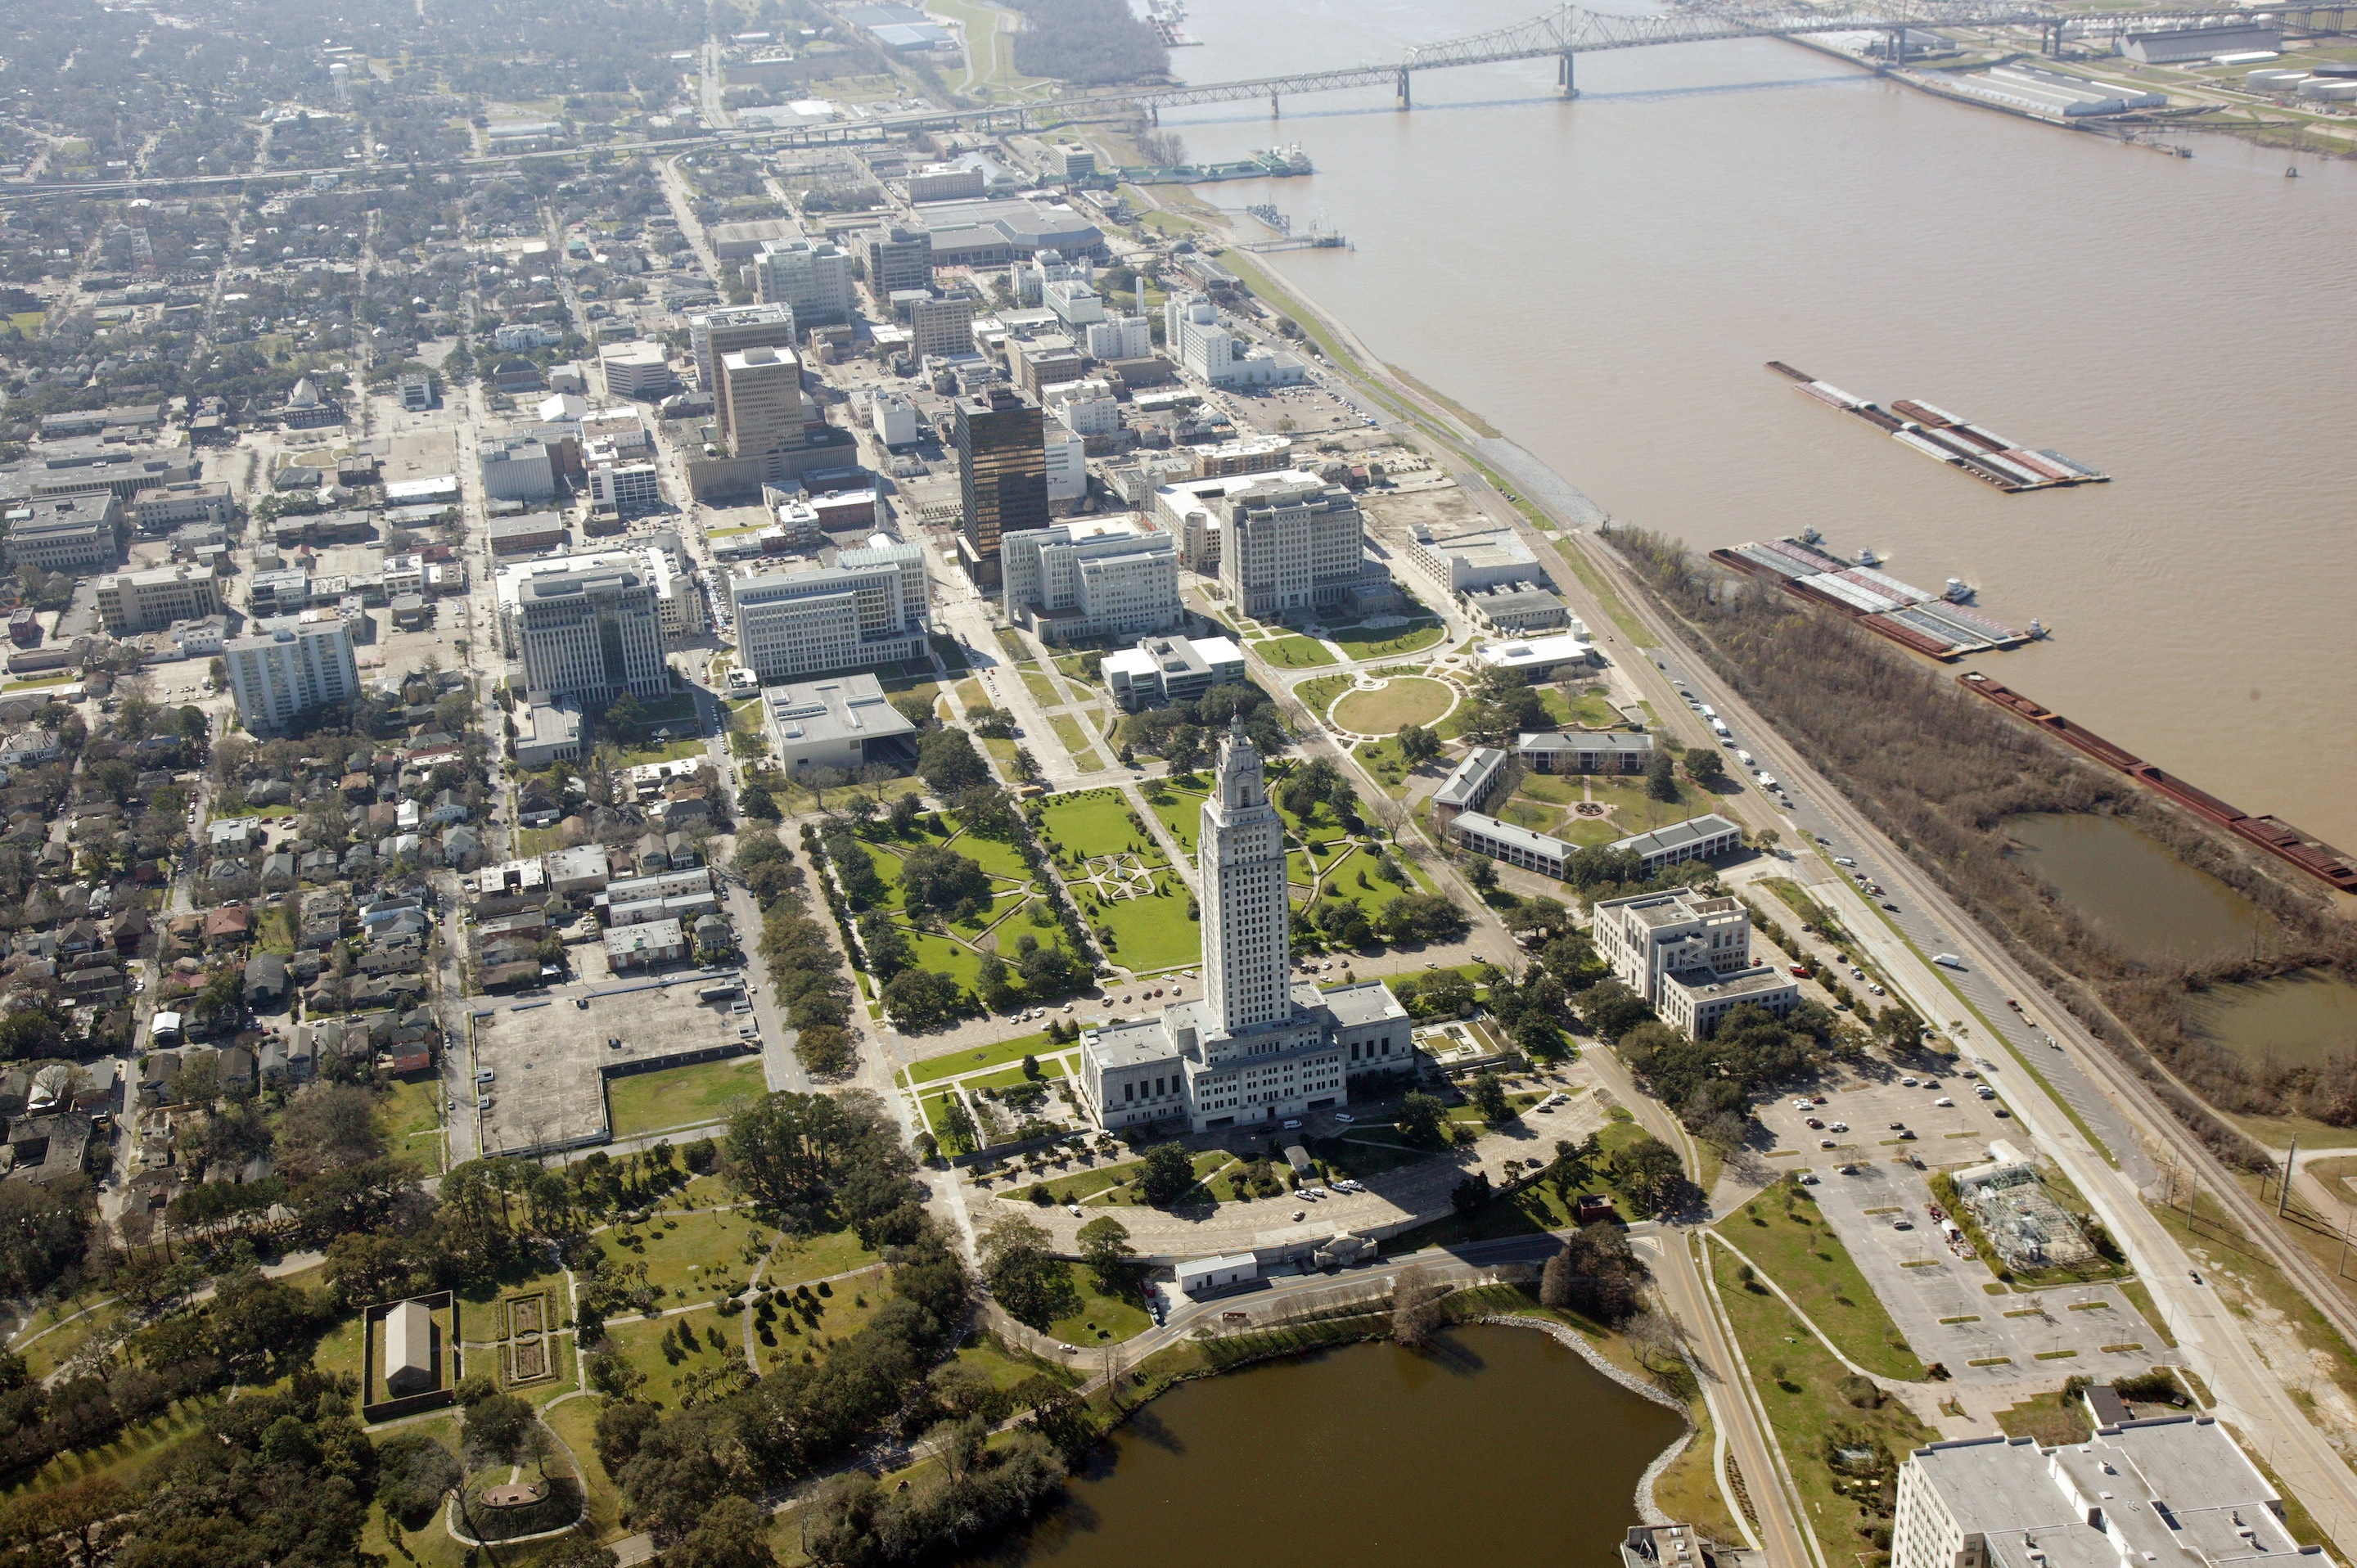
x=1415 y=1305
x=1655 y=1337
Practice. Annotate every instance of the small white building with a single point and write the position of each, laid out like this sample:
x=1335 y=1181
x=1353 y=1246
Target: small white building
x=1200 y=1277
x=895 y=419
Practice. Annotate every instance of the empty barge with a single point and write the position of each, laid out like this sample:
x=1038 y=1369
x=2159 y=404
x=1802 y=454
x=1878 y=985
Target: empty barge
x=1944 y=438
x=2275 y=836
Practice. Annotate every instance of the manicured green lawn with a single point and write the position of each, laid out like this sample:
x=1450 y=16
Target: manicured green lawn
x=1008 y=1078
x=1318 y=693
x=694 y=1252
x=935 y=1068
x=1075 y=741
x=816 y=1257
x=942 y=956
x=59 y=1346
x=1637 y=812
x=1295 y=653
x=411 y=1116
x=1570 y=706
x=1101 y=1319
x=886 y=862
x=682 y=1096
x=1387 y=762
x=1181 y=812
x=1003 y=1367
x=1407 y=700
x=1093 y=823
x=1799 y=1251
x=994 y=855
x=1345 y=877
x=1151 y=933
x=1420 y=634
x=1043 y=691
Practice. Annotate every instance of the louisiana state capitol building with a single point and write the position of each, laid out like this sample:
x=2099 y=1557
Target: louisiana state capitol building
x=1259 y=1045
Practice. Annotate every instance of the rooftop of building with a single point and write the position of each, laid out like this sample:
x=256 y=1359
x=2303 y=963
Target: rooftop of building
x=1469 y=776
x=1678 y=835
x=1508 y=834
x=1522 y=651
x=845 y=708
x=1585 y=740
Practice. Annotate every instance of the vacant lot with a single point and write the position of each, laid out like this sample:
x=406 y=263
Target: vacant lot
x=682 y=1096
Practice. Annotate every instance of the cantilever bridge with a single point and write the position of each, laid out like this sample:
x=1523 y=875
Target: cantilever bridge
x=1570 y=30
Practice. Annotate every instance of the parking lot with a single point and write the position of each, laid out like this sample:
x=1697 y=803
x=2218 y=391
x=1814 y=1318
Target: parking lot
x=1943 y=1303
x=1866 y=1101
x=549 y=1057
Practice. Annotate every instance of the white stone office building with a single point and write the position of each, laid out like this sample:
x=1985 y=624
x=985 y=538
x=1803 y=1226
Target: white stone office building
x=2175 y=1491
x=1293 y=544
x=515 y=467
x=869 y=608
x=1203 y=348
x=1689 y=956
x=591 y=633
x=814 y=276
x=1258 y=1047
x=1104 y=577
x=288 y=667
x=679 y=601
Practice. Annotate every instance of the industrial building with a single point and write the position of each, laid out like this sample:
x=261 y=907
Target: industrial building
x=846 y=724
x=2202 y=43
x=1207 y=351
x=2051 y=93
x=1171 y=670
x=1689 y=956
x=130 y=602
x=288 y=667
x=869 y=608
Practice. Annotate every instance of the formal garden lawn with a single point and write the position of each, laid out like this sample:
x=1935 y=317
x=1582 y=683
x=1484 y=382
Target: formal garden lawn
x=1043 y=691
x=1359 y=642
x=1319 y=693
x=1635 y=811
x=1386 y=763
x=1150 y=933
x=1406 y=700
x=1074 y=739
x=1295 y=653
x=935 y=1068
x=942 y=956
x=1093 y=823
x=996 y=856
x=682 y=1096
x=1181 y=812
x=1357 y=877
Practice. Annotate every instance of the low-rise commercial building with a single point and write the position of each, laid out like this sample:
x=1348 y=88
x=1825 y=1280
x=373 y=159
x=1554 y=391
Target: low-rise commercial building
x=1696 y=838
x=1172 y=669
x=1474 y=557
x=1517 y=610
x=1539 y=659
x=1478 y=833
x=130 y=602
x=2176 y=1489
x=844 y=724
x=546 y=731
x=1585 y=751
x=529 y=534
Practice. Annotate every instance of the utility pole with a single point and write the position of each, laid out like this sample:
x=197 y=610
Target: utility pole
x=2283 y=1198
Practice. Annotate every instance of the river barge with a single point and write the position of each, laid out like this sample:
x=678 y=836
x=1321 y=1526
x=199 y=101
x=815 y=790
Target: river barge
x=1946 y=439
x=2278 y=837
x=1930 y=624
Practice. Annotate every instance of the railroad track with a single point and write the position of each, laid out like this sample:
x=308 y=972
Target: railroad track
x=2131 y=1092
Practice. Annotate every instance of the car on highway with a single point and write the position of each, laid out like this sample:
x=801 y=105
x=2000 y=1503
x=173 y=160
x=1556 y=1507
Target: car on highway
x=1889 y=905
x=1841 y=859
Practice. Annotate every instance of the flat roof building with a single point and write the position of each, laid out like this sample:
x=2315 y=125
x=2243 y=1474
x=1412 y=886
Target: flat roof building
x=1690 y=956
x=1293 y=545
x=591 y=633
x=813 y=276
x=1543 y=658
x=1518 y=846
x=130 y=602
x=1696 y=838
x=1474 y=557
x=1585 y=751
x=1002 y=476
x=1103 y=577
x=711 y=333
x=844 y=724
x=1172 y=669
x=288 y=668
x=869 y=608
x=637 y=368
x=2175 y=1490
x=66 y=534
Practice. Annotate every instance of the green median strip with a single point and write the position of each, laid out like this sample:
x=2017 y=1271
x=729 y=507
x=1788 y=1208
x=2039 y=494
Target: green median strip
x=1992 y=1361
x=2090 y=1306
x=1971 y=1317
x=2028 y=1312
x=2124 y=1349
x=2056 y=1355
